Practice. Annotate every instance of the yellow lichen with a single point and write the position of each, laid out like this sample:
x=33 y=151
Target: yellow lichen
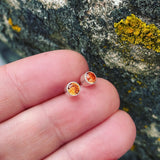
x=14 y=27
x=159 y=139
x=132 y=88
x=125 y=109
x=139 y=82
x=104 y=46
x=10 y=22
x=136 y=75
x=129 y=91
x=145 y=126
x=133 y=148
x=133 y=30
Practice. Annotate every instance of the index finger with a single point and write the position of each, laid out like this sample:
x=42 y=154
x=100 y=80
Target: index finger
x=35 y=79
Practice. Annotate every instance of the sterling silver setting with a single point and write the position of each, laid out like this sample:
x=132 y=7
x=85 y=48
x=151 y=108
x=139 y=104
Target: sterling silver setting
x=72 y=89
x=89 y=78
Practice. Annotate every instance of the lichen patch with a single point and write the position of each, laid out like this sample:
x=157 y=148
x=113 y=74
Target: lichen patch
x=117 y=2
x=135 y=31
x=54 y=4
x=14 y=27
x=14 y=3
x=152 y=131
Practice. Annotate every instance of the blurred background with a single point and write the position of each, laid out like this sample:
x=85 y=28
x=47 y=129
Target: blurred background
x=2 y=49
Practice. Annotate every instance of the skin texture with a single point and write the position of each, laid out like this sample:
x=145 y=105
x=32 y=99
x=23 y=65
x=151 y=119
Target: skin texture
x=40 y=122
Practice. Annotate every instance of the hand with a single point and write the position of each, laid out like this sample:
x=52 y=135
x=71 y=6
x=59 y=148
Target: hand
x=38 y=121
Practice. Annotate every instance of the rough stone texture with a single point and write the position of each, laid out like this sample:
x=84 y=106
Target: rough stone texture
x=87 y=26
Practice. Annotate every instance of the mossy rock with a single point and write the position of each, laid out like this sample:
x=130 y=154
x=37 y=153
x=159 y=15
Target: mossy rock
x=31 y=27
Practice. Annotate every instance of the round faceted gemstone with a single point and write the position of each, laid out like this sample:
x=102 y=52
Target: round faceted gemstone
x=91 y=77
x=73 y=88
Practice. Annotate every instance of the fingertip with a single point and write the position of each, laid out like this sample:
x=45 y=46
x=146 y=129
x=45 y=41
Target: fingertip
x=111 y=92
x=125 y=133
x=130 y=127
x=115 y=93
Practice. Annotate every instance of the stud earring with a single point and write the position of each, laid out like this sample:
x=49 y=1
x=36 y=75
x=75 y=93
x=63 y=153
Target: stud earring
x=72 y=89
x=89 y=78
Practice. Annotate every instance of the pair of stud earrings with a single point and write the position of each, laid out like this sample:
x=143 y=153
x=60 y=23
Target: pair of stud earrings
x=87 y=79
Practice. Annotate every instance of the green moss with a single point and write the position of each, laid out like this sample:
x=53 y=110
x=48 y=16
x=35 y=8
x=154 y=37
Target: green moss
x=133 y=30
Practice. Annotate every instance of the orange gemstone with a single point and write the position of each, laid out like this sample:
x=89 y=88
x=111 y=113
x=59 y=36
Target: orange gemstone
x=91 y=77
x=73 y=88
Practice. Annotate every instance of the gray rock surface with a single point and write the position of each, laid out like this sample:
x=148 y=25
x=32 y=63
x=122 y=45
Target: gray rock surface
x=87 y=26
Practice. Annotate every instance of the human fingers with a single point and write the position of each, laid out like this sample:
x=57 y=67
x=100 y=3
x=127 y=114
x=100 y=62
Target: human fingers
x=35 y=79
x=108 y=141
x=39 y=131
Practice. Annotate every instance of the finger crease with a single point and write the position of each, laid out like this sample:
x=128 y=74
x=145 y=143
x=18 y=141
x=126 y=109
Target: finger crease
x=58 y=132
x=68 y=154
x=18 y=85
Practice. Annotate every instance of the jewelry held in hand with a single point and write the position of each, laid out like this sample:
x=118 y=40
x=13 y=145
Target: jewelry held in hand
x=88 y=78
x=72 y=89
